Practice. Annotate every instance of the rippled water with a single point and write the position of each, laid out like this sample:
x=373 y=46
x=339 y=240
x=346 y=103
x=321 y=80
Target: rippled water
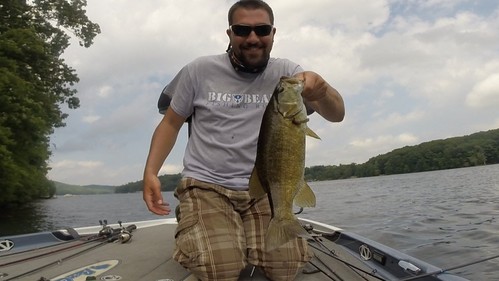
x=447 y=218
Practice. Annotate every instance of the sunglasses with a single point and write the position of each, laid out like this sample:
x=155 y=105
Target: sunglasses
x=245 y=30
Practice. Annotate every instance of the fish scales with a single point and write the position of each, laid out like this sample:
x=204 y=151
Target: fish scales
x=280 y=161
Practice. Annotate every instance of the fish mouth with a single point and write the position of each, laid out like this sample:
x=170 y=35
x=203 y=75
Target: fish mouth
x=289 y=105
x=292 y=80
x=289 y=110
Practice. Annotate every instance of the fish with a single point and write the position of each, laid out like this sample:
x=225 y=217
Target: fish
x=279 y=168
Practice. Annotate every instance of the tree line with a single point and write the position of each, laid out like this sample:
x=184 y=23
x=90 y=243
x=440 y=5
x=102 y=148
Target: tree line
x=168 y=183
x=473 y=150
x=477 y=149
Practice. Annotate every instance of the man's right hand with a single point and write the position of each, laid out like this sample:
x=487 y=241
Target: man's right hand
x=153 y=198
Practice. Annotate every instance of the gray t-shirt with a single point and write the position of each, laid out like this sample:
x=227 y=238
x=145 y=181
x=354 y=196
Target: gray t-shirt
x=227 y=107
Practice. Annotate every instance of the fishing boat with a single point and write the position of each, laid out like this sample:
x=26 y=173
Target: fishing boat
x=142 y=251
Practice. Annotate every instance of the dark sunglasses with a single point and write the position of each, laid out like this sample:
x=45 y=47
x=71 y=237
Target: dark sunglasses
x=245 y=30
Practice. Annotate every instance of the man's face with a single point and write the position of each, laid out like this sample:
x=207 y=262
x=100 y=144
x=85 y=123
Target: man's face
x=252 y=51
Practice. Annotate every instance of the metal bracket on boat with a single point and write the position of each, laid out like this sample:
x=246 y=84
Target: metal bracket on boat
x=407 y=266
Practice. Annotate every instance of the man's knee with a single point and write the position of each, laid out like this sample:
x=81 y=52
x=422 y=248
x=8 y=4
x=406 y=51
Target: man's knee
x=221 y=265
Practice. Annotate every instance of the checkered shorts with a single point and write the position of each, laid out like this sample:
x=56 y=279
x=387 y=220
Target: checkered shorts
x=221 y=230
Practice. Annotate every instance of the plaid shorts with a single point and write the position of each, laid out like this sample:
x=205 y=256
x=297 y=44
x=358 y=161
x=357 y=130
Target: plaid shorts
x=221 y=230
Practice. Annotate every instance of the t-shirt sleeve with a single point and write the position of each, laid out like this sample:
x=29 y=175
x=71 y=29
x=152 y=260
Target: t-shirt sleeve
x=181 y=91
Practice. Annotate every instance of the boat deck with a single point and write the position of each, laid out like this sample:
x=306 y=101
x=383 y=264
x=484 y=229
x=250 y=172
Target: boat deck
x=147 y=256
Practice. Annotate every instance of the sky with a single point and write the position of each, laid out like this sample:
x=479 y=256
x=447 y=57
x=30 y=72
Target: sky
x=409 y=72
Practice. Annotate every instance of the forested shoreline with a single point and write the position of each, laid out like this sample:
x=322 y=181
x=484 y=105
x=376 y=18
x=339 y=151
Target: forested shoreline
x=477 y=149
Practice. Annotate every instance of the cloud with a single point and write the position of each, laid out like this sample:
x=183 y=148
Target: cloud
x=170 y=169
x=384 y=143
x=105 y=91
x=409 y=71
x=485 y=94
x=434 y=60
x=352 y=15
x=403 y=139
x=70 y=171
x=91 y=118
x=68 y=164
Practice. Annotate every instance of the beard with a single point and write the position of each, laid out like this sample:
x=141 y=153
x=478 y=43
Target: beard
x=252 y=56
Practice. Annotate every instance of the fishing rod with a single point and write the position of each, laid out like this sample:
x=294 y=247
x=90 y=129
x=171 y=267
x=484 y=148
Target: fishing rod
x=335 y=278
x=437 y=272
x=322 y=271
x=90 y=239
x=123 y=234
x=107 y=234
x=324 y=249
x=343 y=261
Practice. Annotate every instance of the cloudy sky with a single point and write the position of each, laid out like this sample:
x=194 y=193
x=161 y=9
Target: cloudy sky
x=410 y=71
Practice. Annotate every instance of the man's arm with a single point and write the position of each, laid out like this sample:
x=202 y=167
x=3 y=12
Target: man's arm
x=322 y=97
x=162 y=142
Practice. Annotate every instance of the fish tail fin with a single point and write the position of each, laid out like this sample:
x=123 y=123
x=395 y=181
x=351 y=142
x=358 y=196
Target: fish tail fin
x=281 y=231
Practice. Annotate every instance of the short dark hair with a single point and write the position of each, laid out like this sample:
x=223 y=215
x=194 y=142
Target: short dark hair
x=251 y=5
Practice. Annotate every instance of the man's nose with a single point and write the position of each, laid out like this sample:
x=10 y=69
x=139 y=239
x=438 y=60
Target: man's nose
x=252 y=37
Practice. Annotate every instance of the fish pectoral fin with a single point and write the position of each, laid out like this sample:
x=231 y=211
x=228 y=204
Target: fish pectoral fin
x=298 y=122
x=311 y=133
x=256 y=189
x=305 y=196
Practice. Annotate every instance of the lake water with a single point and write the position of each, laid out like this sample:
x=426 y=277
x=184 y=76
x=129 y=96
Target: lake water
x=447 y=218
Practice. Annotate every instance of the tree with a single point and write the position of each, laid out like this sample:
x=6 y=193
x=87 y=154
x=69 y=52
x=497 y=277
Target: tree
x=34 y=82
x=168 y=183
x=481 y=148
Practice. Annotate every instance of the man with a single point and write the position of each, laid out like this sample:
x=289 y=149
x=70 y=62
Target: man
x=221 y=228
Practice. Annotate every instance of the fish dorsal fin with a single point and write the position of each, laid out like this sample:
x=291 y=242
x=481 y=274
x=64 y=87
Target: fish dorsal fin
x=311 y=133
x=305 y=196
x=256 y=189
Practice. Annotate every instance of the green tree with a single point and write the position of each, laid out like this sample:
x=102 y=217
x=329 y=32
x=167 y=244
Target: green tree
x=481 y=148
x=168 y=183
x=34 y=83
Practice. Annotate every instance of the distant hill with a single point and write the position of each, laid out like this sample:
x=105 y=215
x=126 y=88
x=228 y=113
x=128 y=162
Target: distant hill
x=168 y=183
x=63 y=188
x=480 y=148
